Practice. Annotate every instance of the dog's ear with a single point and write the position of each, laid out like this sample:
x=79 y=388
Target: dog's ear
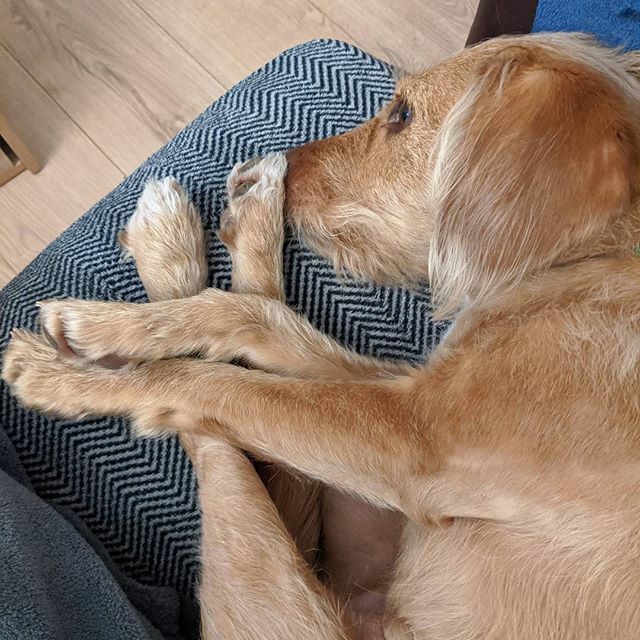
x=631 y=62
x=533 y=162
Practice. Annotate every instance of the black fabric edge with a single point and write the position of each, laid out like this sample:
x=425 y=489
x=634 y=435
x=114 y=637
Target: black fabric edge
x=502 y=17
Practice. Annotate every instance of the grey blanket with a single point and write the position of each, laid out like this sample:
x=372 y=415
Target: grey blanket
x=57 y=582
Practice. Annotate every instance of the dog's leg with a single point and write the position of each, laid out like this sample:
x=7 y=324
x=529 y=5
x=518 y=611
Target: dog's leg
x=44 y=381
x=253 y=230
x=258 y=586
x=359 y=539
x=367 y=432
x=166 y=239
x=219 y=325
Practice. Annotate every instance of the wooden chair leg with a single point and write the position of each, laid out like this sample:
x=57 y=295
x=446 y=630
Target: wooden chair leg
x=15 y=156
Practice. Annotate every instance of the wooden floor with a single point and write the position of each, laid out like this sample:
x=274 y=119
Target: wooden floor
x=95 y=86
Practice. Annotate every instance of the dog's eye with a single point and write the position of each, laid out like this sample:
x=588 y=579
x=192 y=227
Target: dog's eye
x=400 y=116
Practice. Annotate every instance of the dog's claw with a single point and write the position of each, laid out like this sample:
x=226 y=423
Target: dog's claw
x=242 y=188
x=49 y=338
x=53 y=330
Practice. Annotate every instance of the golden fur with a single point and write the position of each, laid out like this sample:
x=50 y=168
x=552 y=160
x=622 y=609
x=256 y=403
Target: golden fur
x=500 y=481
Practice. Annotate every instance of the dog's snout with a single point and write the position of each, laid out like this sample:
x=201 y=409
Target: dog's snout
x=290 y=155
x=313 y=174
x=298 y=161
x=299 y=172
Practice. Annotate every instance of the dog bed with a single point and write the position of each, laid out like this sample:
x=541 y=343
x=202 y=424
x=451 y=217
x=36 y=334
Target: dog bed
x=136 y=498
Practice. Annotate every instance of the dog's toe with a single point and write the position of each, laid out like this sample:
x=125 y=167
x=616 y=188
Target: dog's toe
x=255 y=174
x=54 y=321
x=25 y=349
x=52 y=324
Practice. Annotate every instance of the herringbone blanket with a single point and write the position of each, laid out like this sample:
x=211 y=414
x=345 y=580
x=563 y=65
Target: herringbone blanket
x=138 y=496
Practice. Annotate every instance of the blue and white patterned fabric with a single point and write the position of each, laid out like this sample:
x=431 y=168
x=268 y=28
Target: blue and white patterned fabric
x=138 y=496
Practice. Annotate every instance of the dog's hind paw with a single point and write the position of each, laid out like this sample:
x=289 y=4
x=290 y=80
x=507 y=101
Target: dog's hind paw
x=160 y=203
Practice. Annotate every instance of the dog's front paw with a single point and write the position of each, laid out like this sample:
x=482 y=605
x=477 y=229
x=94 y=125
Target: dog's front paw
x=255 y=191
x=166 y=239
x=37 y=376
x=85 y=329
x=24 y=351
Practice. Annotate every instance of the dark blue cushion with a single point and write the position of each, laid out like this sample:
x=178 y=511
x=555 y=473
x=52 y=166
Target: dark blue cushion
x=614 y=22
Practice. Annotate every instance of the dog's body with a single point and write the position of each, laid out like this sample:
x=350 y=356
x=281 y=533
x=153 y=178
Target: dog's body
x=510 y=461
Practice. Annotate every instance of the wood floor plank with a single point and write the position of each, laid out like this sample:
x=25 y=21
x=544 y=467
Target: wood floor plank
x=231 y=38
x=101 y=84
x=411 y=33
x=34 y=209
x=120 y=77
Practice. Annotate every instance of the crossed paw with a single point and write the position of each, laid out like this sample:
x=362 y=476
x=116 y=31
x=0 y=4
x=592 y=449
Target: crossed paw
x=43 y=380
x=43 y=371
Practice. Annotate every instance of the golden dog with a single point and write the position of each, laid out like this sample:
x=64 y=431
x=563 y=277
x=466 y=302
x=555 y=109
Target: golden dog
x=498 y=483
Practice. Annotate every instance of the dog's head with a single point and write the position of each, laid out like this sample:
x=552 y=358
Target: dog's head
x=508 y=158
